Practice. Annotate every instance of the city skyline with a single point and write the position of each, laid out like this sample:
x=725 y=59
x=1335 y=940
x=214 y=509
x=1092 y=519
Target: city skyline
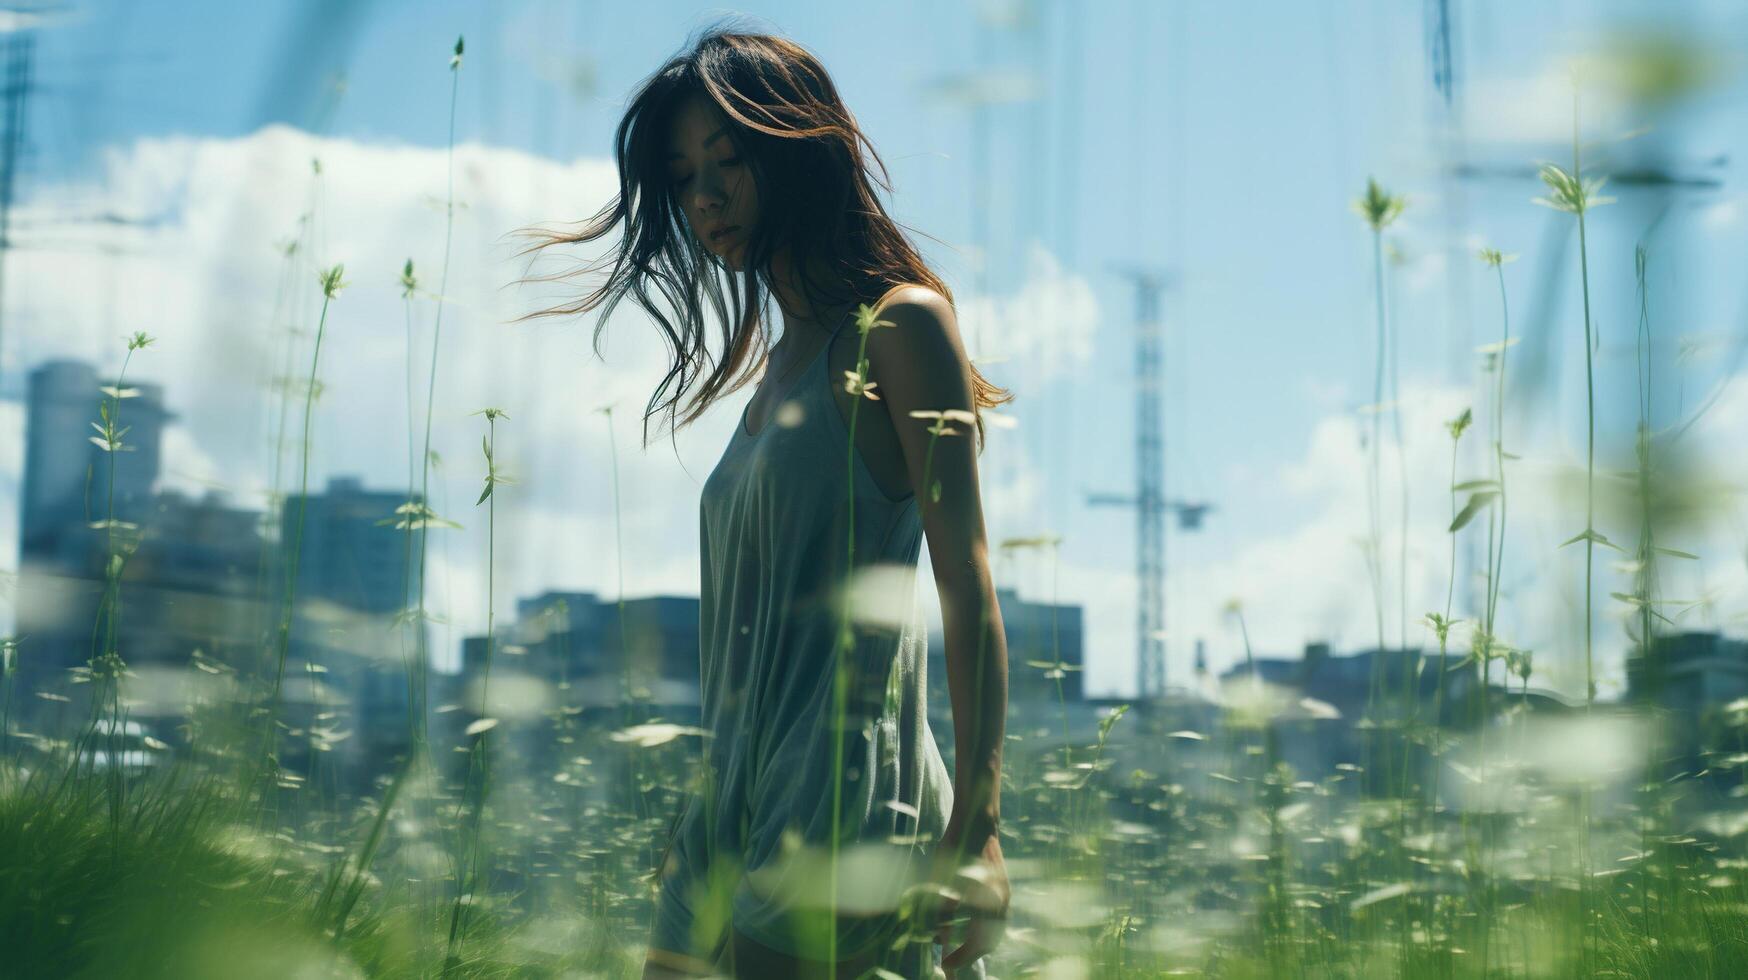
x=348 y=550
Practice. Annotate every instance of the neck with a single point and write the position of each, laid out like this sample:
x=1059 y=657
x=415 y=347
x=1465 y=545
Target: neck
x=800 y=316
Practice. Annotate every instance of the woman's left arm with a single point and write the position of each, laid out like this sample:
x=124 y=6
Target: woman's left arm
x=919 y=363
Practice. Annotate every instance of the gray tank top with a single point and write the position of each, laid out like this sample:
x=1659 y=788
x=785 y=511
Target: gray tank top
x=773 y=523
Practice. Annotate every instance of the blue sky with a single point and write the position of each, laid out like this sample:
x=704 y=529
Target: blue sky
x=1221 y=142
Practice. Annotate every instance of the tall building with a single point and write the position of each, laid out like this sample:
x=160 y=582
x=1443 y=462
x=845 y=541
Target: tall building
x=66 y=475
x=201 y=590
x=68 y=484
x=561 y=637
x=345 y=554
x=1700 y=681
x=1690 y=672
x=572 y=657
x=562 y=633
x=659 y=643
x=355 y=572
x=191 y=590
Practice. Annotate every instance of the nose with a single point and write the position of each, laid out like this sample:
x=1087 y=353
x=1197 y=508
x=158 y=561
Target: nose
x=707 y=193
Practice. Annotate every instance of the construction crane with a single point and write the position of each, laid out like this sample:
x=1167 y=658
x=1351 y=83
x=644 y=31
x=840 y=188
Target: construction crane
x=1149 y=498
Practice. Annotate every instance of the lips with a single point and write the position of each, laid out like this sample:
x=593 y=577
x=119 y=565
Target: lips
x=720 y=233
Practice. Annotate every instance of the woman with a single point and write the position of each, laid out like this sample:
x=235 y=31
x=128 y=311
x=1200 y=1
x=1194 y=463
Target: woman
x=739 y=164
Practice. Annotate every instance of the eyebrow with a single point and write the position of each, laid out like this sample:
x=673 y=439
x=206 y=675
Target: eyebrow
x=711 y=139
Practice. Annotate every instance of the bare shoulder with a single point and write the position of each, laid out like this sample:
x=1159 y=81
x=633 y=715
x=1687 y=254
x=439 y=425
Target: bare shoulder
x=914 y=300
x=923 y=326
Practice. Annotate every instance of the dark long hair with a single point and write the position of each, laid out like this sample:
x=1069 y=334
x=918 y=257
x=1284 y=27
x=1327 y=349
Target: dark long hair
x=805 y=153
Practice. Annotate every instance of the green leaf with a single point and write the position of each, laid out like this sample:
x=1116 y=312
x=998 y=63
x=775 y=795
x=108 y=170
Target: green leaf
x=1476 y=502
x=1476 y=485
x=487 y=492
x=1671 y=552
x=1590 y=534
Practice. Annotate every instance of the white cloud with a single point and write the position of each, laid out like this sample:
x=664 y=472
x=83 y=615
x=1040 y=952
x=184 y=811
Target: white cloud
x=1537 y=108
x=203 y=278
x=1046 y=327
x=1721 y=215
x=203 y=281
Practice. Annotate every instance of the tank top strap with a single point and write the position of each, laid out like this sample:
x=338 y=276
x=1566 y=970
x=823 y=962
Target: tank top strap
x=843 y=321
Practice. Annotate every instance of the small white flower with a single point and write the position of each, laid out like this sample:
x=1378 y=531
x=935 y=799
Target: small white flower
x=855 y=385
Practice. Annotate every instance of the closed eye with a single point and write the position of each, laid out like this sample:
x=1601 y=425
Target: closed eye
x=730 y=162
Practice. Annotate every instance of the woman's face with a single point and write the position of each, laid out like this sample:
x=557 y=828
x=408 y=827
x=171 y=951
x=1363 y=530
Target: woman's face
x=710 y=181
